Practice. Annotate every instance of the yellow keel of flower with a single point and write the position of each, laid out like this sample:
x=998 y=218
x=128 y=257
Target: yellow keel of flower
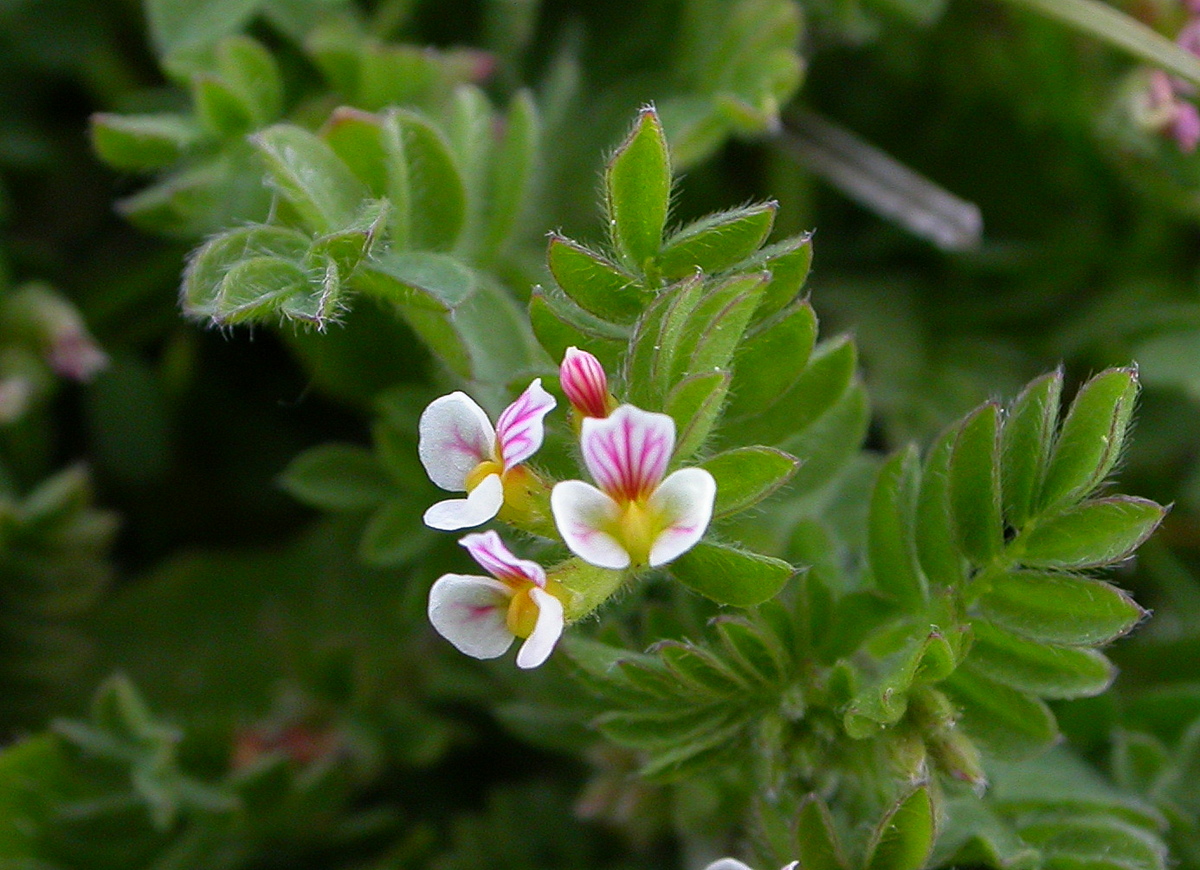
x=637 y=528
x=523 y=611
x=481 y=472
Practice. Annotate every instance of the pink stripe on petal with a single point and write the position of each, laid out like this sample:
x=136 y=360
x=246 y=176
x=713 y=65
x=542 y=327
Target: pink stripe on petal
x=489 y=551
x=471 y=612
x=585 y=383
x=627 y=452
x=520 y=429
x=455 y=436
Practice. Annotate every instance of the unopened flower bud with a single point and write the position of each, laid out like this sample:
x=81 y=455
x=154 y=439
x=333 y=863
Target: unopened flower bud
x=585 y=383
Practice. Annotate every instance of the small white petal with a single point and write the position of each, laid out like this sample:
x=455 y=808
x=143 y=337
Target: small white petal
x=546 y=631
x=455 y=436
x=471 y=612
x=627 y=452
x=489 y=551
x=520 y=429
x=581 y=512
x=685 y=501
x=727 y=864
x=480 y=505
x=791 y=866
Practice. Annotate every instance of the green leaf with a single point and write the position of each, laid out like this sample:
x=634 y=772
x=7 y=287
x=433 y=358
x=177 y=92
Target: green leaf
x=769 y=363
x=1004 y=721
x=817 y=843
x=142 y=142
x=202 y=280
x=1059 y=608
x=252 y=74
x=904 y=837
x=1119 y=30
x=1095 y=533
x=657 y=336
x=220 y=109
x=592 y=282
x=336 y=477
x=513 y=167
x=436 y=187
x=891 y=549
x=1026 y=440
x=927 y=657
x=314 y=180
x=695 y=404
x=832 y=441
x=717 y=242
x=822 y=384
x=715 y=326
x=731 y=576
x=177 y=25
x=33 y=779
x=357 y=138
x=700 y=671
x=559 y=324
x=395 y=534
x=1107 y=843
x=974 y=479
x=430 y=280
x=747 y=475
x=598 y=667
x=637 y=185
x=937 y=549
x=788 y=262
x=257 y=288
x=1037 y=668
x=1092 y=434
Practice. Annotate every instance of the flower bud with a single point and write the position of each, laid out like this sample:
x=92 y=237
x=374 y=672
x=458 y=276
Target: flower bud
x=583 y=380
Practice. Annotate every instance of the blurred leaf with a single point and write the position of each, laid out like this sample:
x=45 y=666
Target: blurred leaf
x=1006 y=722
x=336 y=477
x=179 y=25
x=142 y=142
x=310 y=176
x=890 y=545
x=904 y=837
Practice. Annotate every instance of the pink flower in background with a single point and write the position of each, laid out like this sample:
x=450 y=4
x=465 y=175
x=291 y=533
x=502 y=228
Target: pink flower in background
x=585 y=383
x=482 y=615
x=462 y=452
x=635 y=517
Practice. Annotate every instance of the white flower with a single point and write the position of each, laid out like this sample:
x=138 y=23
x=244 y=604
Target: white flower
x=734 y=864
x=461 y=452
x=482 y=615
x=635 y=517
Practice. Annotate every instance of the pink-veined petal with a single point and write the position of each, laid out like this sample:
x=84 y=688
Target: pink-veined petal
x=546 y=631
x=481 y=504
x=471 y=612
x=581 y=513
x=685 y=502
x=583 y=380
x=627 y=452
x=520 y=429
x=489 y=551
x=455 y=436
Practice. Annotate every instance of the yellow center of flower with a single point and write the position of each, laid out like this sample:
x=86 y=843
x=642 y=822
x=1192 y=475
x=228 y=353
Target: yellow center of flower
x=522 y=613
x=637 y=528
x=482 y=471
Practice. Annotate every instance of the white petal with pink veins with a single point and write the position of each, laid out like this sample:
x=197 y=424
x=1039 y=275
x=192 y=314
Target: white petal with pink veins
x=480 y=505
x=455 y=436
x=489 y=551
x=546 y=631
x=685 y=502
x=627 y=452
x=581 y=513
x=471 y=613
x=520 y=429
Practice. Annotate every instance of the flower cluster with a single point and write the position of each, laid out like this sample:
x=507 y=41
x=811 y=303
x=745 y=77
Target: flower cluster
x=1166 y=106
x=635 y=515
